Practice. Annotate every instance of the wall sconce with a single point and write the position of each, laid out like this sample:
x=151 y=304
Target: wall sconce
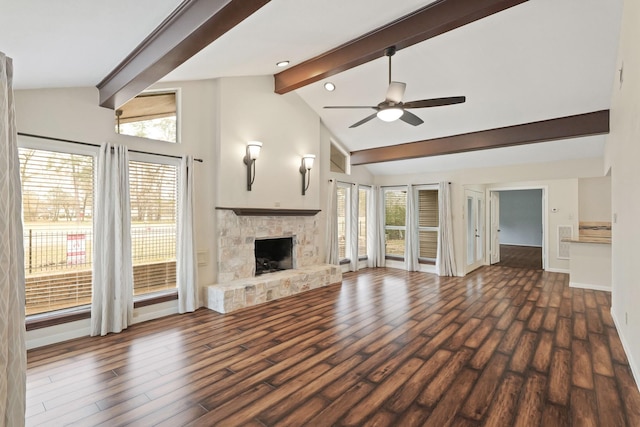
x=253 y=151
x=305 y=168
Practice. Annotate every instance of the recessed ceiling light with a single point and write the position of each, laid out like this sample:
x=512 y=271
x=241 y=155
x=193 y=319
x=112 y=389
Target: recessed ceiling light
x=329 y=86
x=282 y=63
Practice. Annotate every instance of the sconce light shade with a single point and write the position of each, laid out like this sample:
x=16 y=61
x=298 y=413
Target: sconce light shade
x=252 y=153
x=253 y=149
x=305 y=169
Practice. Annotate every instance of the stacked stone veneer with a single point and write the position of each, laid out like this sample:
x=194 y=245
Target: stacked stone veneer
x=238 y=288
x=228 y=297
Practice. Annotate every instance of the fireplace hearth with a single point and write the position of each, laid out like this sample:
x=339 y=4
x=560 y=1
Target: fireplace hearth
x=273 y=255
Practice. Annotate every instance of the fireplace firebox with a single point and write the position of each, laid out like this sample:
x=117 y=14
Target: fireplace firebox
x=273 y=255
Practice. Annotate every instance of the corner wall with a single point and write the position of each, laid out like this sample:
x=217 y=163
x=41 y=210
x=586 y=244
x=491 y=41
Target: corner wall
x=622 y=155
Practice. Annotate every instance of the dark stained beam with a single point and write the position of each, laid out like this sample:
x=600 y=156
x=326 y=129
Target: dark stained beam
x=430 y=21
x=190 y=28
x=596 y=123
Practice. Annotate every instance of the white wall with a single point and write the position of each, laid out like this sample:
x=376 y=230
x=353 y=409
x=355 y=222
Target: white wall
x=595 y=199
x=521 y=217
x=559 y=178
x=623 y=157
x=287 y=127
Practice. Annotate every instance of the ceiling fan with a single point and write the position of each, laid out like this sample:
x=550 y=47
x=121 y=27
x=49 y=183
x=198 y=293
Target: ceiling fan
x=392 y=108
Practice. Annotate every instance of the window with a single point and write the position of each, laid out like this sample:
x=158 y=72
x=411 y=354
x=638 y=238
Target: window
x=363 y=193
x=150 y=115
x=343 y=221
x=428 y=222
x=395 y=208
x=57 y=206
x=339 y=159
x=153 y=189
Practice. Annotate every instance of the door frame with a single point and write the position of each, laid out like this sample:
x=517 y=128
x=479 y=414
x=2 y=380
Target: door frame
x=545 y=216
x=482 y=232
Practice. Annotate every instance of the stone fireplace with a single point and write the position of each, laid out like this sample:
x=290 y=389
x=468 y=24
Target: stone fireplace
x=242 y=238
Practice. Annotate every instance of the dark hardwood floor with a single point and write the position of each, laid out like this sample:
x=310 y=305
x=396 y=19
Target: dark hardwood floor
x=500 y=347
x=520 y=257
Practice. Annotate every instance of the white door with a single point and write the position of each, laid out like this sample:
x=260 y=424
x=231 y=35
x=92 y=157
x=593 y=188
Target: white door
x=474 y=211
x=495 y=227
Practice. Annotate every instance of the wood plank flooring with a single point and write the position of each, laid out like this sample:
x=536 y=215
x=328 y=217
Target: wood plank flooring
x=520 y=257
x=500 y=347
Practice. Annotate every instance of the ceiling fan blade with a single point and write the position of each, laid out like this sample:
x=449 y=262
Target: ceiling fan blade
x=350 y=106
x=411 y=118
x=365 y=120
x=395 y=92
x=435 y=102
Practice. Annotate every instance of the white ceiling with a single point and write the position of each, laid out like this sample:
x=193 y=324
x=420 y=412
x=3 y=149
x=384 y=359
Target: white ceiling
x=538 y=60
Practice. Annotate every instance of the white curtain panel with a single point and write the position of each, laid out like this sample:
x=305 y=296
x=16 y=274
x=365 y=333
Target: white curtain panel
x=331 y=238
x=445 y=258
x=13 y=354
x=412 y=249
x=353 y=238
x=372 y=227
x=112 y=297
x=378 y=225
x=187 y=264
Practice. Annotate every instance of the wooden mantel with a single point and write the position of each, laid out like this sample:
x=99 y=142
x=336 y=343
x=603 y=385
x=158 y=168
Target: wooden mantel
x=271 y=212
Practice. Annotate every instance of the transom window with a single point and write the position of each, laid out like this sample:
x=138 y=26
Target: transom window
x=151 y=115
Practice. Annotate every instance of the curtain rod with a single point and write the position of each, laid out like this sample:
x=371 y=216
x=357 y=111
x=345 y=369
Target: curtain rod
x=342 y=182
x=98 y=145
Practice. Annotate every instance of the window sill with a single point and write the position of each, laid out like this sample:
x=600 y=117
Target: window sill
x=54 y=319
x=394 y=258
x=345 y=261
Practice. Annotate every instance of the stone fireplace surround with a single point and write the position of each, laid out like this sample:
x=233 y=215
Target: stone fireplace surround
x=237 y=287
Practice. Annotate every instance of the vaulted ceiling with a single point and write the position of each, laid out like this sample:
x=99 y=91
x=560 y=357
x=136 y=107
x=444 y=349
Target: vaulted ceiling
x=538 y=60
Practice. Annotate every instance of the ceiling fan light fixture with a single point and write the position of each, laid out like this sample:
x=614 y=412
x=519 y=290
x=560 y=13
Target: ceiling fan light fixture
x=390 y=114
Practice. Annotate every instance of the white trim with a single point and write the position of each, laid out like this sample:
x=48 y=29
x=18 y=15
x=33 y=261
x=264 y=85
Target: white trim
x=545 y=218
x=590 y=286
x=428 y=268
x=82 y=328
x=392 y=263
x=635 y=369
x=557 y=270
x=58 y=333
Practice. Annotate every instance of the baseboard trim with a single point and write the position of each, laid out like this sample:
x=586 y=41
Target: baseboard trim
x=589 y=286
x=635 y=369
x=557 y=270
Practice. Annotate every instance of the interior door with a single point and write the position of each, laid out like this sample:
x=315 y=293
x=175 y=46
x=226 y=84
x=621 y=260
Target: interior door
x=474 y=210
x=495 y=227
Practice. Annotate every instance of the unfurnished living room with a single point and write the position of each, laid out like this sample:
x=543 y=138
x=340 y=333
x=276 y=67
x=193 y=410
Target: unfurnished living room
x=305 y=213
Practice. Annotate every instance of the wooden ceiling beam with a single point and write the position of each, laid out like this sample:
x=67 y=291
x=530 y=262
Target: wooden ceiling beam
x=190 y=28
x=430 y=21
x=588 y=124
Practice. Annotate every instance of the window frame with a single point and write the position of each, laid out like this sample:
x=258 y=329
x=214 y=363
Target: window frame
x=54 y=317
x=158 y=296
x=178 y=95
x=345 y=153
x=416 y=189
x=368 y=223
x=385 y=190
x=347 y=211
